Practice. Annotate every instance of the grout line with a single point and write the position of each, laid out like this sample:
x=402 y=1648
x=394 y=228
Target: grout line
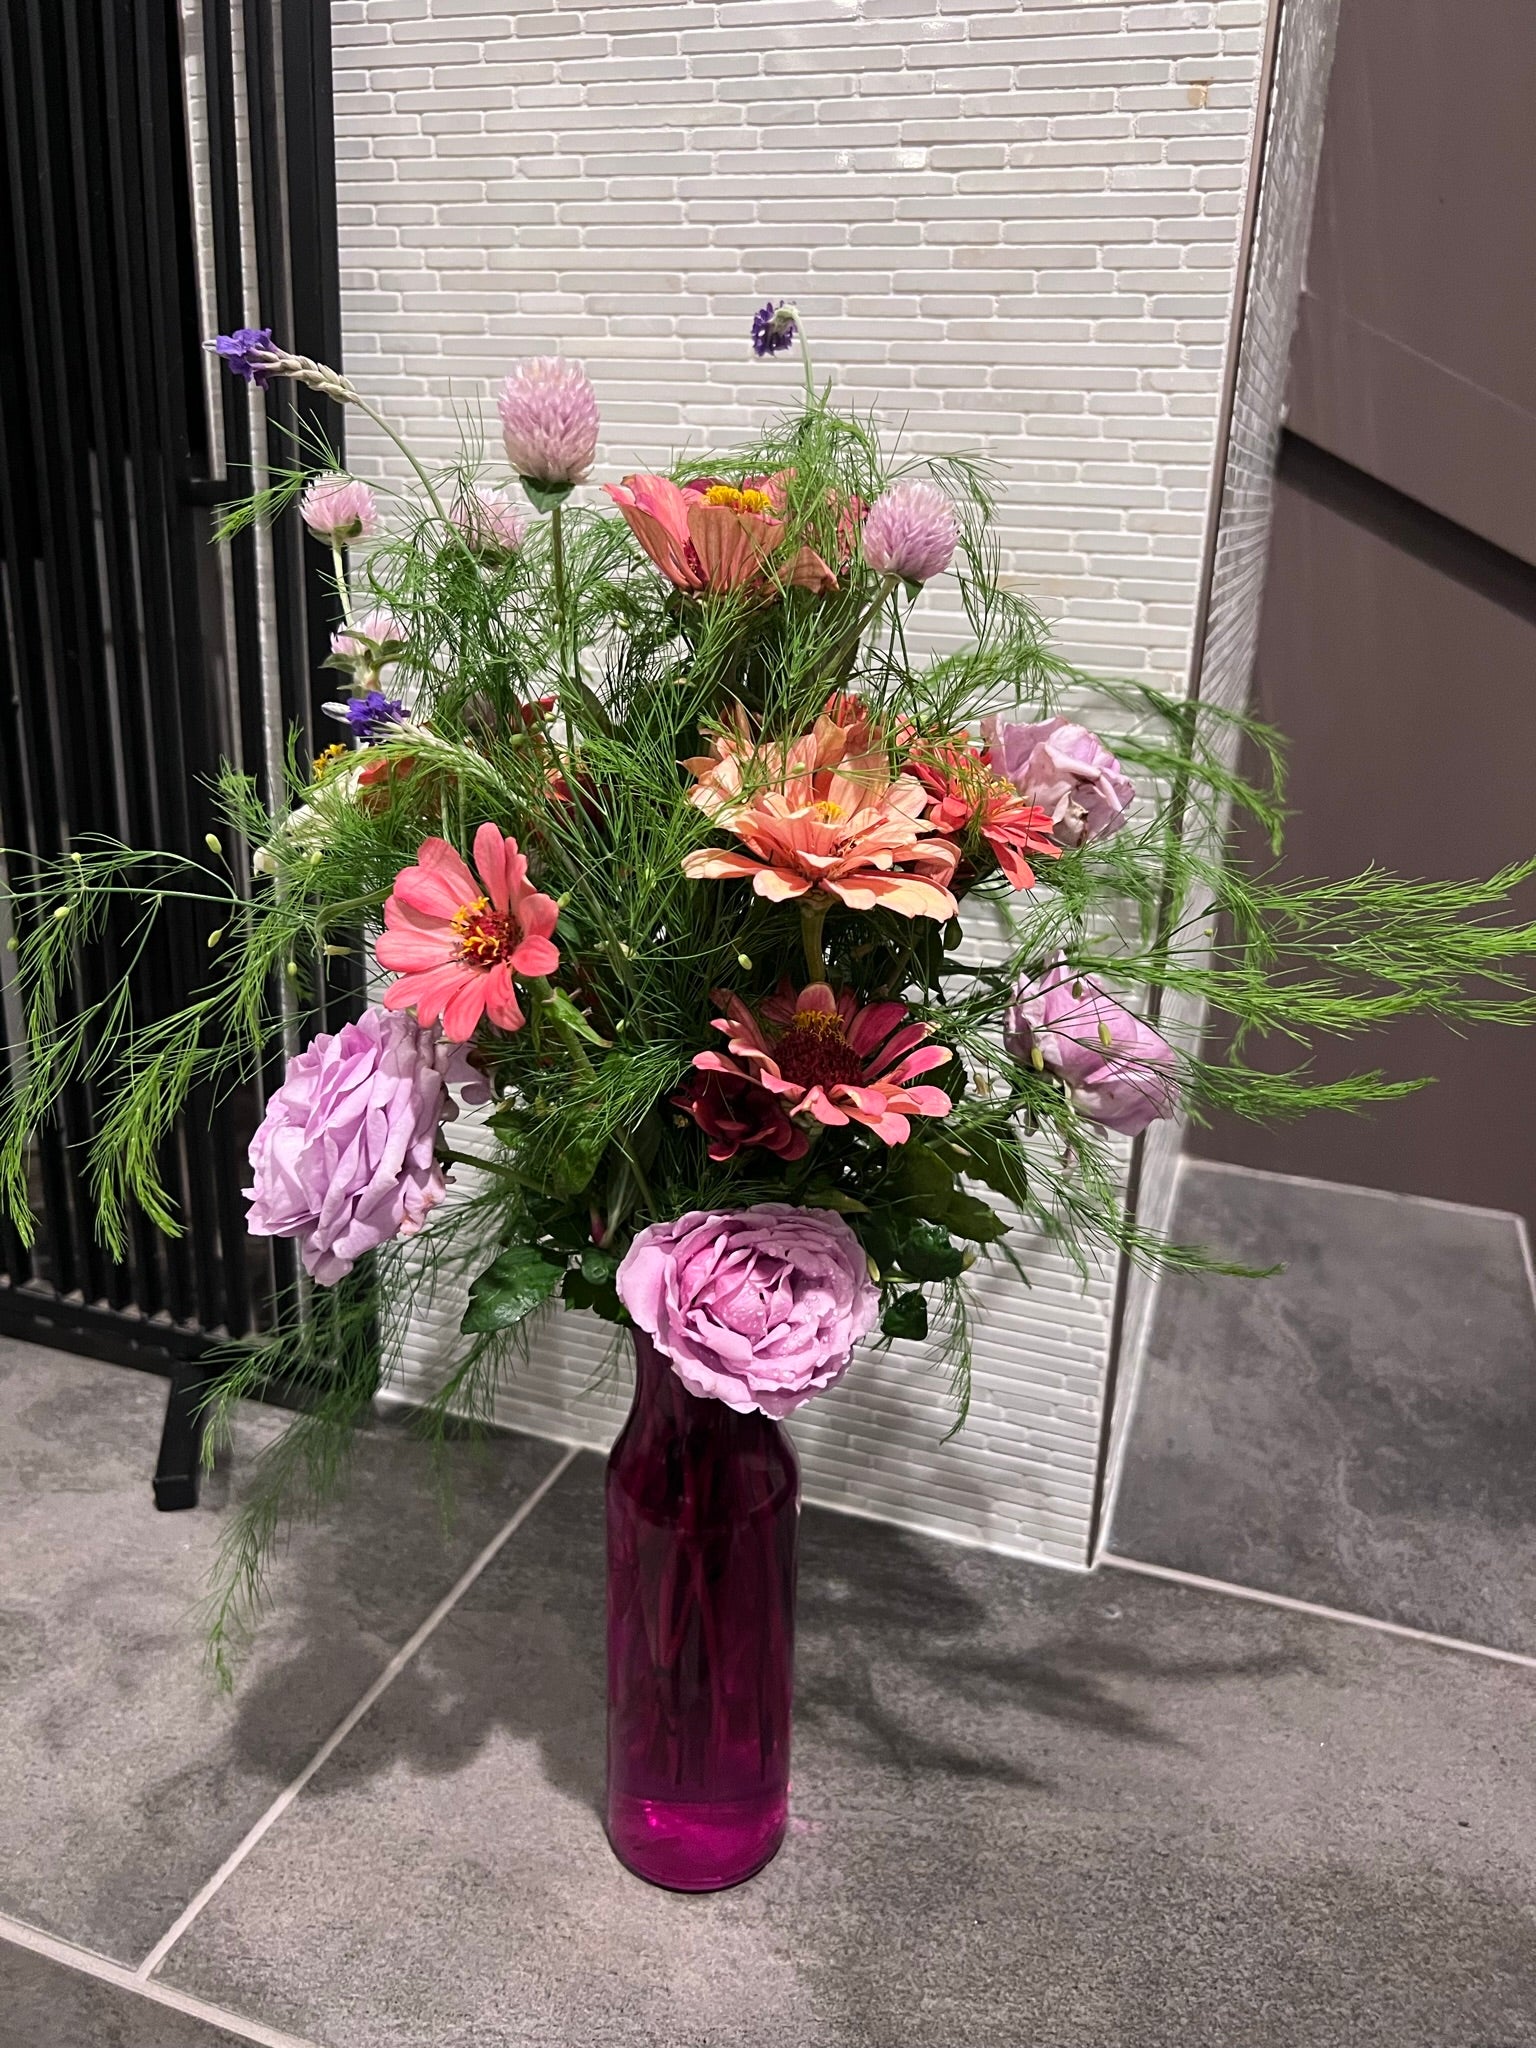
x=1525 y=1248
x=339 y=1734
x=89 y=1964
x=1387 y=1628
x=1348 y=1187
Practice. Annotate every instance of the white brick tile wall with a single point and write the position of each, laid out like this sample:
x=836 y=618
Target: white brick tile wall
x=1011 y=228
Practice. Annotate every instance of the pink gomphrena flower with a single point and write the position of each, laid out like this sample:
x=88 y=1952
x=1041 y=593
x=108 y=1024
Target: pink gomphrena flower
x=373 y=640
x=491 y=523
x=911 y=532
x=549 y=423
x=338 y=508
x=457 y=937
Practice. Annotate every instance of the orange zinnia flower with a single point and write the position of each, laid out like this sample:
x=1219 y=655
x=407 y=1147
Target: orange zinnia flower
x=968 y=795
x=708 y=537
x=816 y=817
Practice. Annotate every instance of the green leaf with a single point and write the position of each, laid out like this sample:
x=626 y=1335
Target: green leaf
x=834 y=1198
x=515 y=1283
x=906 y=1316
x=927 y=1254
x=560 y=1007
x=968 y=1216
x=598 y=1266
x=998 y=1161
x=926 y=1178
x=544 y=497
x=600 y=1296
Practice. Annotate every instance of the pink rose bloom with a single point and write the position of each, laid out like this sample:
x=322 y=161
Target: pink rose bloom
x=911 y=531
x=338 y=508
x=1068 y=771
x=344 y=1157
x=549 y=421
x=491 y=523
x=1118 y=1071
x=758 y=1308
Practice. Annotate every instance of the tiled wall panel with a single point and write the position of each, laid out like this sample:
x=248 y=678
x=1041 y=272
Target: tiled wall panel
x=1012 y=228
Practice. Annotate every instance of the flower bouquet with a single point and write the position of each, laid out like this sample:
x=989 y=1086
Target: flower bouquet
x=788 y=971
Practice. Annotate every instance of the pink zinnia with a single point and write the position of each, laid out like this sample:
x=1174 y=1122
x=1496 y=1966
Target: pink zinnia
x=830 y=1060
x=911 y=532
x=549 y=421
x=457 y=940
x=338 y=508
x=491 y=523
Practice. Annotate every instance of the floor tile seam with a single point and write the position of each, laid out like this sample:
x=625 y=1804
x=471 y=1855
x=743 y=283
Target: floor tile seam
x=1292 y=1605
x=122 y=1977
x=1349 y=1187
x=266 y=1821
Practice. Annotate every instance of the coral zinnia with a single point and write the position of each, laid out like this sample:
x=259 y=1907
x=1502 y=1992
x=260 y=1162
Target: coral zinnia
x=707 y=537
x=966 y=794
x=828 y=1061
x=456 y=941
x=829 y=821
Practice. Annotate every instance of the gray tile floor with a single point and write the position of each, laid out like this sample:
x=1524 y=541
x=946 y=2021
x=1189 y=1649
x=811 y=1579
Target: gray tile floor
x=1359 y=1430
x=1030 y=1807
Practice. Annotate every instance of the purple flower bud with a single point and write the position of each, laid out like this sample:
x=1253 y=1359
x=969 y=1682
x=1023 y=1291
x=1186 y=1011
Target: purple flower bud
x=1068 y=771
x=338 y=508
x=1117 y=1071
x=549 y=422
x=911 y=532
x=246 y=353
x=773 y=329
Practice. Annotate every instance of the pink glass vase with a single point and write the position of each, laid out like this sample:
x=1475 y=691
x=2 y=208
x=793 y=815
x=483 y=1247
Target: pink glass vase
x=703 y=1514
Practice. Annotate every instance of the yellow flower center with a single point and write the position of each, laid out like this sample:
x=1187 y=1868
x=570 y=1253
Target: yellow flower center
x=828 y=812
x=484 y=935
x=327 y=758
x=738 y=501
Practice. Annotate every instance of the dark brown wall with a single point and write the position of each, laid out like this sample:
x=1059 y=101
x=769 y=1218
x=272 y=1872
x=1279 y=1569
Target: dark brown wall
x=1410 y=702
x=1415 y=356
x=1398 y=644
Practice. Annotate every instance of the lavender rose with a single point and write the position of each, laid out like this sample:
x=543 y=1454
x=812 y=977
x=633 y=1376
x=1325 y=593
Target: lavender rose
x=758 y=1308
x=1118 y=1071
x=343 y=1160
x=1068 y=771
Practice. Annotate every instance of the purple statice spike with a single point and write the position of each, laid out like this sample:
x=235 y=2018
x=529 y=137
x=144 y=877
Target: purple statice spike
x=248 y=353
x=773 y=329
x=369 y=716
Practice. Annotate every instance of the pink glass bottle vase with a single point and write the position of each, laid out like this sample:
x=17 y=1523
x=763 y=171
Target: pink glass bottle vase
x=703 y=1513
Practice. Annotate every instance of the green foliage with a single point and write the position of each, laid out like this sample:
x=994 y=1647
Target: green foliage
x=516 y=1282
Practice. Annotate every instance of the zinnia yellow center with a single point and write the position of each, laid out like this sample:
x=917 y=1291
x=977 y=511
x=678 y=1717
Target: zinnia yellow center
x=484 y=935
x=738 y=501
x=827 y=811
x=814 y=1051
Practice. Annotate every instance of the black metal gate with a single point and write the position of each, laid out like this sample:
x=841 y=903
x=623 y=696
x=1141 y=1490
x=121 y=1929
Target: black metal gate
x=135 y=653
